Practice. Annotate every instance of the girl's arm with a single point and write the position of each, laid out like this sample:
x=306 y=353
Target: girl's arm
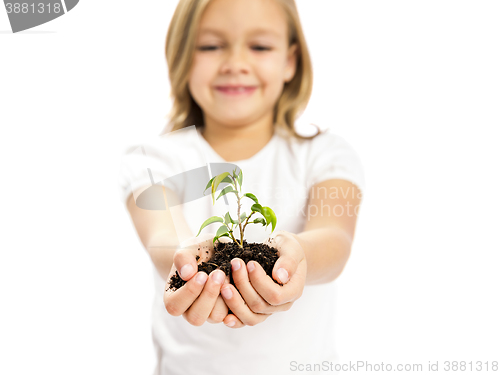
x=329 y=231
x=157 y=233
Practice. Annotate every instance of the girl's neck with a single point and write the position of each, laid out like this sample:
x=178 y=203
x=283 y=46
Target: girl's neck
x=237 y=143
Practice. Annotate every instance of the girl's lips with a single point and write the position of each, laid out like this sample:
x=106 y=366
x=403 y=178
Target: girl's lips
x=245 y=91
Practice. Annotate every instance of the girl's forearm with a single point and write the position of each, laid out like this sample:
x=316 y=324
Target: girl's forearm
x=161 y=248
x=327 y=251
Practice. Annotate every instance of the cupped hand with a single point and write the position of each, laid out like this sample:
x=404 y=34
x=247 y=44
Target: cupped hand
x=198 y=300
x=258 y=297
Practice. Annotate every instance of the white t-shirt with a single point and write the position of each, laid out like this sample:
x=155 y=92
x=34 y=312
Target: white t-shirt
x=280 y=175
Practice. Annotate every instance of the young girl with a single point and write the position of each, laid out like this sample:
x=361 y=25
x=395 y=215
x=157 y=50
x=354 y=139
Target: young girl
x=240 y=74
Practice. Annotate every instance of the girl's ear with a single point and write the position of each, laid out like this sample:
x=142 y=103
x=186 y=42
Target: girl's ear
x=291 y=65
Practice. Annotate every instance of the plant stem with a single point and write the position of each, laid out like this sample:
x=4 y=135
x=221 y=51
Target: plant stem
x=246 y=222
x=232 y=237
x=239 y=219
x=239 y=223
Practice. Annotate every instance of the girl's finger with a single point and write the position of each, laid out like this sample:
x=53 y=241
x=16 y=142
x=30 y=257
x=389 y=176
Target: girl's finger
x=185 y=257
x=290 y=255
x=201 y=308
x=242 y=282
x=232 y=321
x=178 y=301
x=220 y=309
x=273 y=293
x=253 y=299
x=239 y=308
x=185 y=263
x=219 y=312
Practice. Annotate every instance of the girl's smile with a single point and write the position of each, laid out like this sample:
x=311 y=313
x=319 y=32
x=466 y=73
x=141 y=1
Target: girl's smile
x=236 y=92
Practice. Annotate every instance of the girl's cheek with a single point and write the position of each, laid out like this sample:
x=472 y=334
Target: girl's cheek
x=206 y=65
x=203 y=57
x=269 y=64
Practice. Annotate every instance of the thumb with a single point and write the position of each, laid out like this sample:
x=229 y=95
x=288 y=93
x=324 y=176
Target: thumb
x=185 y=256
x=289 y=257
x=185 y=263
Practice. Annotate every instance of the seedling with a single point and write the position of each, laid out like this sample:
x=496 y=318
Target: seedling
x=221 y=258
x=227 y=229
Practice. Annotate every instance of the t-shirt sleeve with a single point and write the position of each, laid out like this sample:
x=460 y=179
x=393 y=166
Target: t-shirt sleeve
x=144 y=165
x=332 y=157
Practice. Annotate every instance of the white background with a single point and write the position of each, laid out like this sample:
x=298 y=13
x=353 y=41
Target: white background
x=412 y=86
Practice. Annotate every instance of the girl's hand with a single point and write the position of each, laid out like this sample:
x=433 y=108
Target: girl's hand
x=199 y=299
x=259 y=296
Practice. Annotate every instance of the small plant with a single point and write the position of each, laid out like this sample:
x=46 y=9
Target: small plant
x=229 y=224
x=224 y=252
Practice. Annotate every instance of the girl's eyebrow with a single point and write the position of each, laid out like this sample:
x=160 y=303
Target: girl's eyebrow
x=257 y=31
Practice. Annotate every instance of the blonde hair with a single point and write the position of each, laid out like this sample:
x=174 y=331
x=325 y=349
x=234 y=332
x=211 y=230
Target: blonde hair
x=179 y=50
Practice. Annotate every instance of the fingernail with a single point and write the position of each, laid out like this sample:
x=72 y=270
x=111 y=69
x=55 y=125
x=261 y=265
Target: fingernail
x=236 y=264
x=283 y=275
x=226 y=293
x=278 y=240
x=186 y=270
x=250 y=266
x=218 y=276
x=231 y=323
x=201 y=278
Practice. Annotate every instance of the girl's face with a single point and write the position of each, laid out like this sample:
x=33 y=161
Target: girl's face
x=241 y=43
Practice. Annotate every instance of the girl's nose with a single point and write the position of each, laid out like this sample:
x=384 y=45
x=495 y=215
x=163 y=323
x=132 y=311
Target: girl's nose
x=236 y=60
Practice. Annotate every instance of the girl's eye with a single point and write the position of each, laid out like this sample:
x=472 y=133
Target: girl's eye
x=261 y=48
x=207 y=48
x=212 y=48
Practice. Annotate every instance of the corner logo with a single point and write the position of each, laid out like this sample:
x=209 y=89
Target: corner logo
x=26 y=14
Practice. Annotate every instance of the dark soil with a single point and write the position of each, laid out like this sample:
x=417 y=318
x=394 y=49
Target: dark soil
x=265 y=255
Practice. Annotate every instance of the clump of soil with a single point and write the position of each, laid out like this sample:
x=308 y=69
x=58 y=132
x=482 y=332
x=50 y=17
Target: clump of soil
x=224 y=252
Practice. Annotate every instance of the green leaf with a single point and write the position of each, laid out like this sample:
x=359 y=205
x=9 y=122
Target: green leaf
x=257 y=208
x=240 y=180
x=259 y=220
x=227 y=179
x=270 y=217
x=243 y=216
x=218 y=179
x=209 y=183
x=213 y=219
x=222 y=229
x=227 y=189
x=228 y=219
x=252 y=197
